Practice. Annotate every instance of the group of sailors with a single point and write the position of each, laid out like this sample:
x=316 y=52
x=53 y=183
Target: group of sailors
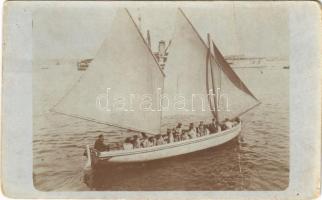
x=178 y=134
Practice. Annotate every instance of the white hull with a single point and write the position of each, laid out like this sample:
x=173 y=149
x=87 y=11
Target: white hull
x=167 y=150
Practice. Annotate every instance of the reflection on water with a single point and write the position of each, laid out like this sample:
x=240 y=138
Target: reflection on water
x=196 y=171
x=258 y=160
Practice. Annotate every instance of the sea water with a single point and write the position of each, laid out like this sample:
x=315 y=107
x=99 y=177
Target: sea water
x=257 y=160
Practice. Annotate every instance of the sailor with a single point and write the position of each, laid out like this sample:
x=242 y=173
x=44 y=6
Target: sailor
x=127 y=144
x=152 y=141
x=213 y=126
x=192 y=131
x=136 y=142
x=165 y=138
x=178 y=131
x=99 y=144
x=206 y=130
x=228 y=124
x=143 y=135
x=236 y=121
x=160 y=140
x=174 y=134
x=201 y=129
x=184 y=135
x=145 y=141
x=170 y=136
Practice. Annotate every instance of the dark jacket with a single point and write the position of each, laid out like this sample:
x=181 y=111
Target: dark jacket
x=100 y=146
x=212 y=128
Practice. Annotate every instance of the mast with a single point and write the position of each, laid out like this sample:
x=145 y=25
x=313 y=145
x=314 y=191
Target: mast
x=212 y=79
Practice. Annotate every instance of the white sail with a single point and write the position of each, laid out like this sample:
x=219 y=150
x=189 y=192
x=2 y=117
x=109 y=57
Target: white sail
x=186 y=76
x=185 y=82
x=122 y=85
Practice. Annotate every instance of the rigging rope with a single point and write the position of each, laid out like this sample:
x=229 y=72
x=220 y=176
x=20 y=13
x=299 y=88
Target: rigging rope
x=239 y=163
x=240 y=136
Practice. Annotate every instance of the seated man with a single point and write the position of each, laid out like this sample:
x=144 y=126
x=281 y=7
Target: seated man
x=184 y=135
x=152 y=141
x=192 y=131
x=201 y=129
x=136 y=142
x=228 y=124
x=212 y=127
x=99 y=144
x=236 y=121
x=178 y=132
x=170 y=136
x=145 y=141
x=127 y=144
x=160 y=140
x=142 y=135
x=207 y=132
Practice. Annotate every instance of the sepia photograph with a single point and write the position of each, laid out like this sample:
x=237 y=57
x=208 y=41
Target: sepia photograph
x=161 y=97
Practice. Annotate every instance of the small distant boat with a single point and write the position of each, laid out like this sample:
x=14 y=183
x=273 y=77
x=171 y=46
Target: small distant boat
x=286 y=67
x=126 y=64
x=83 y=64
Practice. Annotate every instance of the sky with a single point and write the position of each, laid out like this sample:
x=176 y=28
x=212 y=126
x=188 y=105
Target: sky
x=75 y=30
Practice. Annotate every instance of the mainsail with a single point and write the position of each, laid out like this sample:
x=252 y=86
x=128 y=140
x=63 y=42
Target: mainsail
x=186 y=73
x=186 y=76
x=122 y=85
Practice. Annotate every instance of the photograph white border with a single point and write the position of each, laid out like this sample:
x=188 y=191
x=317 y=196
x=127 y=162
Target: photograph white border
x=305 y=110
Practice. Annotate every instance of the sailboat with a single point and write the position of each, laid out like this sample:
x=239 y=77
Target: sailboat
x=126 y=65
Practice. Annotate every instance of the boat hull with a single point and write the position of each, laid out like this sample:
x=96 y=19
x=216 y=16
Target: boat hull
x=167 y=150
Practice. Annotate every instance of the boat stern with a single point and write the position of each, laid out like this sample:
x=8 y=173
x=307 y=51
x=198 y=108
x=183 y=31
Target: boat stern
x=92 y=158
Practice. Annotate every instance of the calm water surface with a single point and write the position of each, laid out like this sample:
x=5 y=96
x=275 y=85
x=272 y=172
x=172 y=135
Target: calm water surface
x=257 y=160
